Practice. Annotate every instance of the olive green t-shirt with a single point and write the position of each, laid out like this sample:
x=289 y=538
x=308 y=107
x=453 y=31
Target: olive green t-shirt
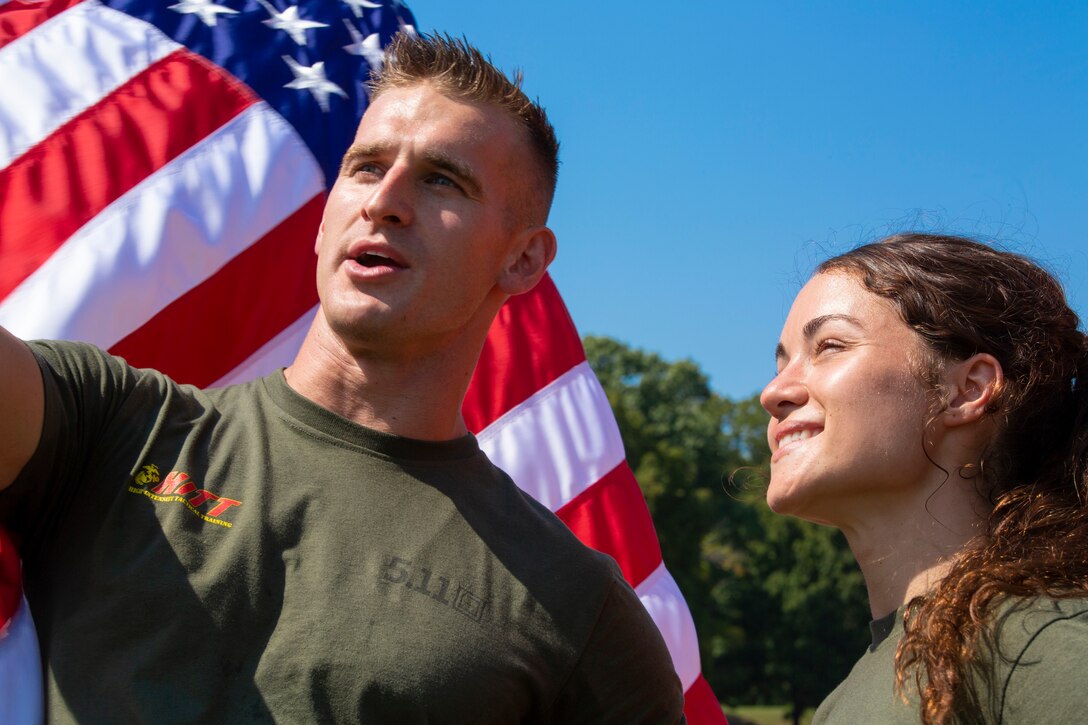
x=1037 y=667
x=244 y=555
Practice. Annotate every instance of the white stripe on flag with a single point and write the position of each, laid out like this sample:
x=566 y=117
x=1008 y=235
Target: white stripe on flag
x=560 y=441
x=20 y=671
x=273 y=355
x=665 y=603
x=46 y=83
x=168 y=233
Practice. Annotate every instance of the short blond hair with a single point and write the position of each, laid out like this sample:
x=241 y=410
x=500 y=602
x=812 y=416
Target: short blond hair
x=457 y=69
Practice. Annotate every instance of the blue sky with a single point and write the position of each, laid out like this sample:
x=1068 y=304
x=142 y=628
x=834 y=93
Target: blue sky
x=713 y=152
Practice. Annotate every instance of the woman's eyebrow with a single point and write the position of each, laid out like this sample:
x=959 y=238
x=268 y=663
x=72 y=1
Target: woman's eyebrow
x=813 y=326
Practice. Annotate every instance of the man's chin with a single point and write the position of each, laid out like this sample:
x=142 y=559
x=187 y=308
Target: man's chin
x=359 y=325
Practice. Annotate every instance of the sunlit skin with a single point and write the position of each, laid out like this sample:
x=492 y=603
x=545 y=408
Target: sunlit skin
x=849 y=419
x=845 y=384
x=420 y=243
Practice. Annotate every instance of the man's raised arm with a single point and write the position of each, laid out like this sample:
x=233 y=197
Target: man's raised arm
x=22 y=406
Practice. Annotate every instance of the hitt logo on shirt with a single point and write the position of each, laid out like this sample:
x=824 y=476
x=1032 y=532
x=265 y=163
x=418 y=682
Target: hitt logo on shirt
x=179 y=487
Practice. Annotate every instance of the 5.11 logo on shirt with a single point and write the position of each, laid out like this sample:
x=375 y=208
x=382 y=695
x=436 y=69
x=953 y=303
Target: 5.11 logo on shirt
x=420 y=579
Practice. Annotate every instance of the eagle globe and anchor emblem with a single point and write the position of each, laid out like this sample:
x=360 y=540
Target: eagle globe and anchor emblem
x=148 y=475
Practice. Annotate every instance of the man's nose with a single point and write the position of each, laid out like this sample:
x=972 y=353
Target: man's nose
x=391 y=199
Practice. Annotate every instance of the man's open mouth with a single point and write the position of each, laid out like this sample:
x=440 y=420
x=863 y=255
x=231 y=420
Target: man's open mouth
x=375 y=259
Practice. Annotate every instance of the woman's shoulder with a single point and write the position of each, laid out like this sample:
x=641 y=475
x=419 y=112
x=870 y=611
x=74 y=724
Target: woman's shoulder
x=1025 y=619
x=867 y=695
x=1038 y=656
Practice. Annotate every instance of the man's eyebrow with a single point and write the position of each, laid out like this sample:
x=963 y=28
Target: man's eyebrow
x=439 y=160
x=359 y=151
x=456 y=167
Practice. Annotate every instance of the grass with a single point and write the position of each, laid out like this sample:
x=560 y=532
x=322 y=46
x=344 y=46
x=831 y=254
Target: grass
x=763 y=715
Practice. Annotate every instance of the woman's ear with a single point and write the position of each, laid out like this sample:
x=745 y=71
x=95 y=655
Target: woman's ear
x=528 y=261
x=972 y=385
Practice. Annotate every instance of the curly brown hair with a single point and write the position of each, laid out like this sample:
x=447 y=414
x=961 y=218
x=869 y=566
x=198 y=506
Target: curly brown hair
x=962 y=298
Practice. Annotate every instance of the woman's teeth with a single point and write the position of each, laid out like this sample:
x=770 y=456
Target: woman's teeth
x=798 y=435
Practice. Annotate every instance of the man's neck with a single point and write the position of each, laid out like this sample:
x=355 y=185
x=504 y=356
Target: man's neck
x=416 y=396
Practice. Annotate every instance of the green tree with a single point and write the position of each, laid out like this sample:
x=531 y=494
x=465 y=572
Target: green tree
x=672 y=428
x=795 y=607
x=778 y=603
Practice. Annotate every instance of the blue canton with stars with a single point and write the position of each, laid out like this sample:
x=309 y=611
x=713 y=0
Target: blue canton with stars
x=308 y=60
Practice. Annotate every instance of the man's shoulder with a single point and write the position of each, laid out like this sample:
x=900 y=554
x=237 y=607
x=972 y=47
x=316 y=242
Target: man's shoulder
x=541 y=534
x=62 y=355
x=87 y=364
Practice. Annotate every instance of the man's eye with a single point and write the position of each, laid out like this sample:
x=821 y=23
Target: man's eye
x=366 y=168
x=442 y=180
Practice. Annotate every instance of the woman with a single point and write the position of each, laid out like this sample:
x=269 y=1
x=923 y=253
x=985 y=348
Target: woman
x=931 y=402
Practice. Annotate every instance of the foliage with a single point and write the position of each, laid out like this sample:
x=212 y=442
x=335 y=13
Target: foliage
x=779 y=604
x=763 y=715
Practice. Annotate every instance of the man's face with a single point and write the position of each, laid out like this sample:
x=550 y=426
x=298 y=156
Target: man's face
x=421 y=222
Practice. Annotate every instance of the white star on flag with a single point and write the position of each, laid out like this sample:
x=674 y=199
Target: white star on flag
x=206 y=10
x=312 y=78
x=358 y=5
x=369 y=47
x=289 y=22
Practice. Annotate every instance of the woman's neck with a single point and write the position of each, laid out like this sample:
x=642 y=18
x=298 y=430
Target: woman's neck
x=903 y=555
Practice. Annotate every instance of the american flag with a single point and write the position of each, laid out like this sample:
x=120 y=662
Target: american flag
x=163 y=167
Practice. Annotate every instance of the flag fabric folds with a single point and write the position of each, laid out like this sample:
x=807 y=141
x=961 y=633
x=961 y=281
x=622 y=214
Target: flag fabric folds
x=163 y=167
x=20 y=673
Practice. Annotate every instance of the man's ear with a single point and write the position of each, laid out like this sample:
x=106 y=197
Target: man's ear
x=320 y=237
x=972 y=384
x=528 y=260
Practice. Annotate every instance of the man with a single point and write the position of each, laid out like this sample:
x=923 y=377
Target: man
x=328 y=543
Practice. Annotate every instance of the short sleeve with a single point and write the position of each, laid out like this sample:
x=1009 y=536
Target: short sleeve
x=85 y=388
x=1045 y=682
x=625 y=673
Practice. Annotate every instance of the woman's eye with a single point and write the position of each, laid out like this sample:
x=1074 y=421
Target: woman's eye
x=829 y=345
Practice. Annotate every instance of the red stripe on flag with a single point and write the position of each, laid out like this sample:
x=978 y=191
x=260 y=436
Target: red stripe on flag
x=61 y=183
x=701 y=706
x=19 y=17
x=531 y=343
x=215 y=326
x=611 y=516
x=11 y=580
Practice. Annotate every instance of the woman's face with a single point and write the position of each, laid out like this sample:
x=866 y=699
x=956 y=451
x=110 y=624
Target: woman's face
x=847 y=410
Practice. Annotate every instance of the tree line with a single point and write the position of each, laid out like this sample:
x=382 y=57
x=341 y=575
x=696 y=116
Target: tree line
x=779 y=604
